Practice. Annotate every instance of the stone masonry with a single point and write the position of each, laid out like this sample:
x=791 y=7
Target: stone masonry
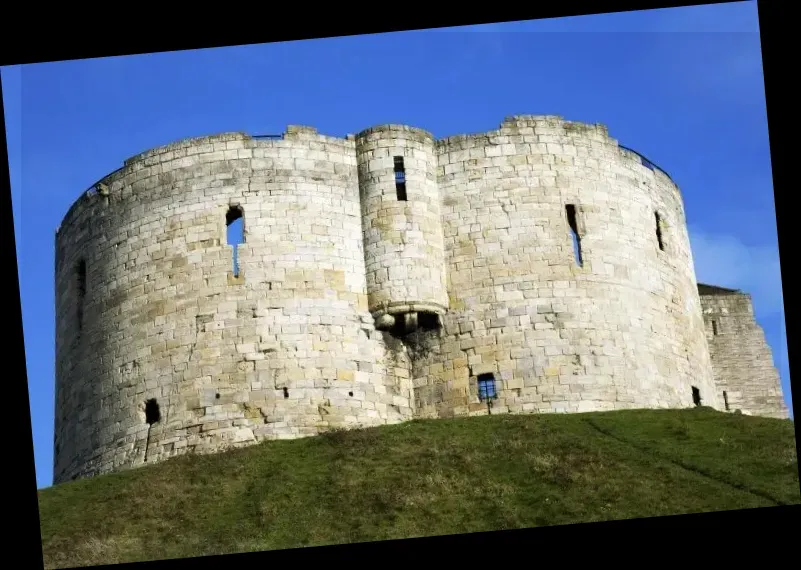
x=380 y=276
x=742 y=360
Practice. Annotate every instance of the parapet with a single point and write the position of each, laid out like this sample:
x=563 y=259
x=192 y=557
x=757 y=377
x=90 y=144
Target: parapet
x=395 y=128
x=704 y=289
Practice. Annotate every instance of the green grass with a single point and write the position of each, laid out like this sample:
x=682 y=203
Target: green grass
x=424 y=478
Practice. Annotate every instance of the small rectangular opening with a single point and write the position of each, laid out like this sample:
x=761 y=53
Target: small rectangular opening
x=714 y=328
x=486 y=387
x=659 y=231
x=400 y=178
x=696 y=396
x=427 y=320
x=570 y=210
x=152 y=411
x=726 y=400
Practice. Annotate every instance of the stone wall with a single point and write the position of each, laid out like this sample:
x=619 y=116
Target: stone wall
x=622 y=329
x=284 y=349
x=742 y=361
x=404 y=250
x=353 y=306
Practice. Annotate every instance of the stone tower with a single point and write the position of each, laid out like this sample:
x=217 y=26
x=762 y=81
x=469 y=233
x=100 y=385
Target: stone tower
x=742 y=361
x=382 y=277
x=403 y=241
x=571 y=278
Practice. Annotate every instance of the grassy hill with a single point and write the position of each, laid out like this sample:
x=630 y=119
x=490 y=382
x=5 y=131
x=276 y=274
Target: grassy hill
x=424 y=478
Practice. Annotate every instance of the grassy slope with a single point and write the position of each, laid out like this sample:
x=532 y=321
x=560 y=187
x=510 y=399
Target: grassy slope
x=424 y=478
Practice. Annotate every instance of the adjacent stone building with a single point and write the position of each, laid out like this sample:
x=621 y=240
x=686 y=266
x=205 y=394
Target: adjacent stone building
x=742 y=361
x=382 y=277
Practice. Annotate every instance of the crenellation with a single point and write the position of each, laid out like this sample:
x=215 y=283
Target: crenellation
x=379 y=275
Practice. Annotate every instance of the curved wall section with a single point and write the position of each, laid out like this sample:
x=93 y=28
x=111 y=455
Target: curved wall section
x=175 y=350
x=403 y=241
x=623 y=328
x=541 y=259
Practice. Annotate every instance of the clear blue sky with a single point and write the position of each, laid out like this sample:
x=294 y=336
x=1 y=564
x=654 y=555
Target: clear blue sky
x=683 y=86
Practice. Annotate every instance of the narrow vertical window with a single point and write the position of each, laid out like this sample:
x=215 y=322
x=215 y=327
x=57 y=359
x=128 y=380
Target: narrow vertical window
x=235 y=234
x=726 y=400
x=570 y=209
x=81 y=291
x=696 y=396
x=659 y=231
x=400 y=179
x=152 y=415
x=152 y=411
x=714 y=328
x=486 y=387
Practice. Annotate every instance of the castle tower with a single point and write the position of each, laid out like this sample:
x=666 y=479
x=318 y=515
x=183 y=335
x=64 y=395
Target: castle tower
x=742 y=361
x=403 y=241
x=541 y=261
x=571 y=280
x=171 y=338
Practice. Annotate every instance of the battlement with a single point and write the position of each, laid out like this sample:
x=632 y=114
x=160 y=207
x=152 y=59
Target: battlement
x=533 y=129
x=704 y=289
x=394 y=129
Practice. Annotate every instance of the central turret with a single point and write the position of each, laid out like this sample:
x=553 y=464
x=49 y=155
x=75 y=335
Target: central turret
x=403 y=239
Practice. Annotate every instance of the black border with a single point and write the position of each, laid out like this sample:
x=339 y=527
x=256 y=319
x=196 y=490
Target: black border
x=615 y=542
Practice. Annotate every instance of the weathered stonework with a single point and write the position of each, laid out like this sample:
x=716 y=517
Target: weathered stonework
x=742 y=361
x=359 y=302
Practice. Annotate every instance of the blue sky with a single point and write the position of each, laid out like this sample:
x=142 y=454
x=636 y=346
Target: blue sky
x=683 y=86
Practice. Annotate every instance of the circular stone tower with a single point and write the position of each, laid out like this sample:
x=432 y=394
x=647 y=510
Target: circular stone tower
x=403 y=240
x=171 y=337
x=542 y=261
x=571 y=280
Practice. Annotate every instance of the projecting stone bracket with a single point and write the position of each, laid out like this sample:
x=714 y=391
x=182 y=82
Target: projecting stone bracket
x=405 y=322
x=406 y=317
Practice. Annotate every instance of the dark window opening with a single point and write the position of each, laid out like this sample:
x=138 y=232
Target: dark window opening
x=400 y=187
x=570 y=209
x=696 y=396
x=398 y=328
x=217 y=396
x=400 y=179
x=81 y=282
x=486 y=387
x=428 y=321
x=350 y=393
x=659 y=231
x=236 y=234
x=726 y=400
x=715 y=328
x=152 y=412
x=286 y=392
